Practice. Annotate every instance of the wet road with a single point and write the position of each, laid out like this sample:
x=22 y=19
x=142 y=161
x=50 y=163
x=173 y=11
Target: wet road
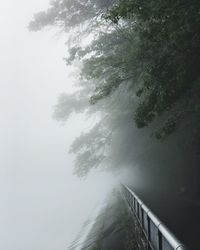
x=180 y=214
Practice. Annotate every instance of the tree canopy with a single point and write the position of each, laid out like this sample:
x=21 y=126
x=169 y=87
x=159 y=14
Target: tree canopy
x=141 y=63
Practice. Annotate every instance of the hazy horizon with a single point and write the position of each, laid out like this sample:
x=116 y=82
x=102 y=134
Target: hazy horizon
x=42 y=204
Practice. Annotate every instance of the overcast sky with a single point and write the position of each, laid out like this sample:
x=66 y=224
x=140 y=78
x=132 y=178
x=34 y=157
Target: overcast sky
x=42 y=205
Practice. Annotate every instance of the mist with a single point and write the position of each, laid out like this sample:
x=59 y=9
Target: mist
x=95 y=91
x=43 y=205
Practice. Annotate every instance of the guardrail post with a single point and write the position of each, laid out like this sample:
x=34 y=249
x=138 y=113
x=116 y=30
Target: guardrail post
x=142 y=216
x=160 y=240
x=148 y=232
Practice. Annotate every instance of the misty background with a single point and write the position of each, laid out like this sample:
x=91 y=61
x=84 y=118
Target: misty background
x=137 y=79
x=42 y=205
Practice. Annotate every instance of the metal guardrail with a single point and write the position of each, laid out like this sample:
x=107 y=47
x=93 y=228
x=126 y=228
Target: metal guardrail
x=157 y=235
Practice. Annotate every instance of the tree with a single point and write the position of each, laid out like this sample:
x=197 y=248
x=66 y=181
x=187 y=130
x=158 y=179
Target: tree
x=169 y=52
x=91 y=148
x=141 y=62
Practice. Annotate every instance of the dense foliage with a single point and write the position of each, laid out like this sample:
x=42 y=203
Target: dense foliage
x=141 y=62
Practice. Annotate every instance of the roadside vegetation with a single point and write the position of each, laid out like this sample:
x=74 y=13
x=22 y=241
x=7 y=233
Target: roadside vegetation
x=138 y=71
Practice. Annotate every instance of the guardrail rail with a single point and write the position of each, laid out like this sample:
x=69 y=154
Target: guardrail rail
x=157 y=235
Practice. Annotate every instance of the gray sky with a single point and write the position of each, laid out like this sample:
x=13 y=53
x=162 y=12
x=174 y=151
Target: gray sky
x=42 y=205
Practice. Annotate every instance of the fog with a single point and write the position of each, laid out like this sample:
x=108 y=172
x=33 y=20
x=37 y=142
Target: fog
x=42 y=204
